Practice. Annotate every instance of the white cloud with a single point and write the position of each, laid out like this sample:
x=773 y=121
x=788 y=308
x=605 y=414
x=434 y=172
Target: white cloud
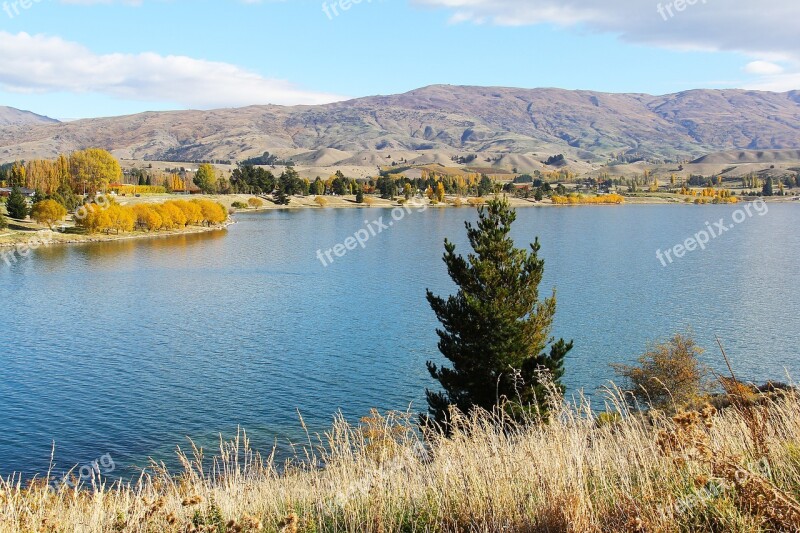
x=777 y=83
x=762 y=31
x=733 y=25
x=38 y=63
x=763 y=68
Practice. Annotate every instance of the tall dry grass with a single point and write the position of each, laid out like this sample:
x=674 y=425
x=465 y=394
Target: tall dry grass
x=621 y=471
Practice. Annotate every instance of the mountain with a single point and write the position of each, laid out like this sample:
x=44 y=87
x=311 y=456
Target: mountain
x=10 y=116
x=436 y=122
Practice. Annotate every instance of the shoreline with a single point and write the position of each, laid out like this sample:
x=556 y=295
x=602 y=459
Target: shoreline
x=31 y=238
x=346 y=203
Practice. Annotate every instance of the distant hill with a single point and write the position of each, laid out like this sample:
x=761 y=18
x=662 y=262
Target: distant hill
x=750 y=156
x=517 y=126
x=10 y=116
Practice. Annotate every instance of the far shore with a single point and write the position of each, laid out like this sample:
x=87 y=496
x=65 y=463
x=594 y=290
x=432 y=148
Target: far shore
x=31 y=235
x=27 y=232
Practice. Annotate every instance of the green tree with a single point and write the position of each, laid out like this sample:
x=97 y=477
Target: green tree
x=66 y=197
x=387 y=187
x=38 y=196
x=206 y=178
x=360 y=196
x=768 y=188
x=3 y=221
x=17 y=205
x=495 y=330
x=485 y=186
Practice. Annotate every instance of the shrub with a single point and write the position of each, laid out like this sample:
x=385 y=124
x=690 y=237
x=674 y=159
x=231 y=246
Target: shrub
x=669 y=375
x=320 y=201
x=239 y=205
x=255 y=203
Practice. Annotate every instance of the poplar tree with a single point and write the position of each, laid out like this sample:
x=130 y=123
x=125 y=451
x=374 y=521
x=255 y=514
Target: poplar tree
x=495 y=330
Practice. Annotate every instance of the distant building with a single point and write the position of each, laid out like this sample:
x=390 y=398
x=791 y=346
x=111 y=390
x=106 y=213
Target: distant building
x=5 y=192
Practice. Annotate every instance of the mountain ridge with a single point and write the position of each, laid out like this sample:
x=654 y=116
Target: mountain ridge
x=445 y=120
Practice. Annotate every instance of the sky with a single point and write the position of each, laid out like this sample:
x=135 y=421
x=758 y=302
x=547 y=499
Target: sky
x=87 y=58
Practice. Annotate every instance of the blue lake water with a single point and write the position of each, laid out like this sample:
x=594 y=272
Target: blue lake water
x=128 y=348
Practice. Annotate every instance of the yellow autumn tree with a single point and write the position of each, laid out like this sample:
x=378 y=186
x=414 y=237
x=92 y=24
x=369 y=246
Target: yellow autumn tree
x=212 y=212
x=94 y=169
x=439 y=192
x=120 y=219
x=194 y=215
x=48 y=212
x=17 y=175
x=146 y=218
x=175 y=213
x=92 y=218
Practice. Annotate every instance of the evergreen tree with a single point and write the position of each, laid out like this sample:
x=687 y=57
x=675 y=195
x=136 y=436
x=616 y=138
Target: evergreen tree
x=495 y=330
x=360 y=196
x=66 y=197
x=3 y=221
x=17 y=205
x=280 y=197
x=38 y=196
x=768 y=188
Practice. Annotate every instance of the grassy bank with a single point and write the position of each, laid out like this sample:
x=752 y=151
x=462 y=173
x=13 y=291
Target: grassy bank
x=736 y=470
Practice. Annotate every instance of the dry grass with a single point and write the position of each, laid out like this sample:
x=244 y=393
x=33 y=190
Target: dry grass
x=701 y=471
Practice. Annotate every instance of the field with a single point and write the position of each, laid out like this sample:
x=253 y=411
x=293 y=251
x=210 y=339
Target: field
x=737 y=470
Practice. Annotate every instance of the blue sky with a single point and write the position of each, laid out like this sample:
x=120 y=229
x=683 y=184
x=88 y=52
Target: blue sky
x=82 y=58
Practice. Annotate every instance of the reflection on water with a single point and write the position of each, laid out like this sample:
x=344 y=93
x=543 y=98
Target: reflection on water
x=126 y=348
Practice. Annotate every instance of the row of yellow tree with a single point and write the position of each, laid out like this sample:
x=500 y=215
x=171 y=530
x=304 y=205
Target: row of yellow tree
x=710 y=195
x=169 y=215
x=579 y=199
x=90 y=170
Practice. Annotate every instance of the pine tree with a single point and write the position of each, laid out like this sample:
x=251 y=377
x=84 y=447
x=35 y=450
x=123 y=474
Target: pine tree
x=495 y=330
x=768 y=188
x=17 y=205
x=280 y=197
x=360 y=196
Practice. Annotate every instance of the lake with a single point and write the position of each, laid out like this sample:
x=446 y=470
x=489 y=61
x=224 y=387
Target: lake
x=129 y=348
